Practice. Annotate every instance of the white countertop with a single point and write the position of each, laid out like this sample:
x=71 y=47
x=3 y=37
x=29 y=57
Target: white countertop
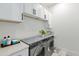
x=12 y=49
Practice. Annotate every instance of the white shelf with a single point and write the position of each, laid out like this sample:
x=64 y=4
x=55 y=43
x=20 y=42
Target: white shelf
x=33 y=16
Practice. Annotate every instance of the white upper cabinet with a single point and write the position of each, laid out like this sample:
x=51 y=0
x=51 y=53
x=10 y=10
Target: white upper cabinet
x=31 y=8
x=36 y=9
x=46 y=14
x=27 y=8
x=41 y=11
x=11 y=12
x=14 y=11
x=50 y=18
x=17 y=11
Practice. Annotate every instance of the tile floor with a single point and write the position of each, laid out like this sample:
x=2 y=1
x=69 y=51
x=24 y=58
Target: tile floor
x=63 y=52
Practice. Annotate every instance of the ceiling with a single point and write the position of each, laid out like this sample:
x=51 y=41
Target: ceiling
x=48 y=5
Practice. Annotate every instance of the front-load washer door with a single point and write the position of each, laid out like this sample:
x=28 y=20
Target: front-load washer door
x=49 y=47
x=39 y=51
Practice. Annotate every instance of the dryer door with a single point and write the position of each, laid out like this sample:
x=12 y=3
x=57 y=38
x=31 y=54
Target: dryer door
x=39 y=51
x=49 y=47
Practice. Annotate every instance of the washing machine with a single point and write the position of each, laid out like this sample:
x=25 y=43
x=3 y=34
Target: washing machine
x=48 y=45
x=40 y=47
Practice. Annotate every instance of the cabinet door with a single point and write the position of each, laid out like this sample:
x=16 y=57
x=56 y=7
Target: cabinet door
x=46 y=14
x=5 y=11
x=17 y=10
x=49 y=19
x=37 y=8
x=31 y=8
x=10 y=11
x=23 y=52
x=42 y=12
x=28 y=7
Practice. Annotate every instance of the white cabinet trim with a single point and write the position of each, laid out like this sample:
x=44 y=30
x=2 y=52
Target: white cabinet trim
x=12 y=21
x=33 y=16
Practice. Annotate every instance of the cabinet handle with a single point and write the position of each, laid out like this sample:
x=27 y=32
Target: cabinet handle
x=22 y=16
x=34 y=11
x=45 y=16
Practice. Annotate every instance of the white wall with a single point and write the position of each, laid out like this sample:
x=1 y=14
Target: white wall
x=29 y=27
x=65 y=23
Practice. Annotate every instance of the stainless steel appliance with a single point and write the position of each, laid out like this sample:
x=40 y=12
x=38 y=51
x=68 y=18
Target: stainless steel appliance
x=40 y=46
